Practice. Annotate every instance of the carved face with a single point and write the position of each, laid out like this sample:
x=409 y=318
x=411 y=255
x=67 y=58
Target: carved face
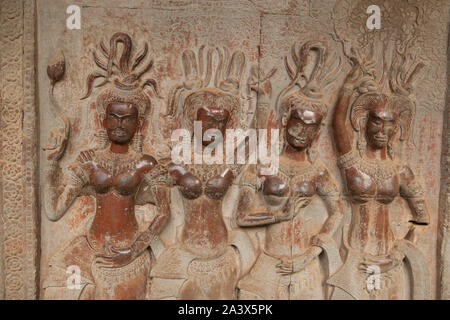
x=381 y=126
x=302 y=128
x=121 y=122
x=212 y=118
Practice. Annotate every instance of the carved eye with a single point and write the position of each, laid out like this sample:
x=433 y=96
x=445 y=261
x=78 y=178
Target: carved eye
x=376 y=121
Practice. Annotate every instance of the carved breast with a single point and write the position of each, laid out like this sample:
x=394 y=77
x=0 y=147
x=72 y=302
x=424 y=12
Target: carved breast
x=205 y=180
x=381 y=185
x=123 y=176
x=302 y=188
x=125 y=183
x=298 y=186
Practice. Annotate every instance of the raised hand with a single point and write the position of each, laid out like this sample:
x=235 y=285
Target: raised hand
x=116 y=258
x=362 y=74
x=59 y=137
x=289 y=266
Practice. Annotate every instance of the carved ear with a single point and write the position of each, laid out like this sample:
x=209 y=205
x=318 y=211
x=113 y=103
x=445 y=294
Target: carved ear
x=141 y=122
x=284 y=118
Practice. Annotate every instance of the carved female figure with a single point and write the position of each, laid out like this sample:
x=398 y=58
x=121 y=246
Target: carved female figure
x=112 y=256
x=374 y=178
x=288 y=266
x=205 y=262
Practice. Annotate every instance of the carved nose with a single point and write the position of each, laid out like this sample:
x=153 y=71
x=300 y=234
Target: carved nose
x=119 y=124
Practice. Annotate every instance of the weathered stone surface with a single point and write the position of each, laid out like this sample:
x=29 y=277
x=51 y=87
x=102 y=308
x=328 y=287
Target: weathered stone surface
x=341 y=197
x=19 y=207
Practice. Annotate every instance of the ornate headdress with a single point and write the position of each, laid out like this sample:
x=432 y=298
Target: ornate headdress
x=402 y=76
x=195 y=91
x=123 y=78
x=311 y=86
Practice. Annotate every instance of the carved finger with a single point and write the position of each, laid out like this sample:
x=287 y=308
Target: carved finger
x=285 y=267
x=284 y=270
x=365 y=268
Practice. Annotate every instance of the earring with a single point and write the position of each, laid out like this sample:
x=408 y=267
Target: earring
x=311 y=152
x=102 y=139
x=390 y=150
x=136 y=143
x=362 y=143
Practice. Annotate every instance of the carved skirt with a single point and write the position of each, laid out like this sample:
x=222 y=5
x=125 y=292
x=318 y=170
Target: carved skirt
x=179 y=274
x=352 y=283
x=264 y=282
x=127 y=282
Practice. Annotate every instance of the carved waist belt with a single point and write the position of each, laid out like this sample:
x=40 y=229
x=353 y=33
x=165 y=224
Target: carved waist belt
x=211 y=266
x=115 y=275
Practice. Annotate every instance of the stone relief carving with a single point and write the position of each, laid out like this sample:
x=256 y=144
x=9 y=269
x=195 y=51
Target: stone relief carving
x=299 y=255
x=374 y=178
x=289 y=261
x=207 y=260
x=112 y=256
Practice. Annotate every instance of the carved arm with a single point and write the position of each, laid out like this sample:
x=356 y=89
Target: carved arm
x=339 y=123
x=327 y=189
x=412 y=191
x=161 y=195
x=58 y=198
x=252 y=211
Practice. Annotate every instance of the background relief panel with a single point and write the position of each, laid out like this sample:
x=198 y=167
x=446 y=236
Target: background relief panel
x=195 y=149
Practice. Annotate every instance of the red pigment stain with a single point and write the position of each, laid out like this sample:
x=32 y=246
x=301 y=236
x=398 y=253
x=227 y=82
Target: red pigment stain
x=85 y=207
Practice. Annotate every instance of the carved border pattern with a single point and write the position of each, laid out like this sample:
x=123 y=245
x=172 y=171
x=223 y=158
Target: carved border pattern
x=18 y=152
